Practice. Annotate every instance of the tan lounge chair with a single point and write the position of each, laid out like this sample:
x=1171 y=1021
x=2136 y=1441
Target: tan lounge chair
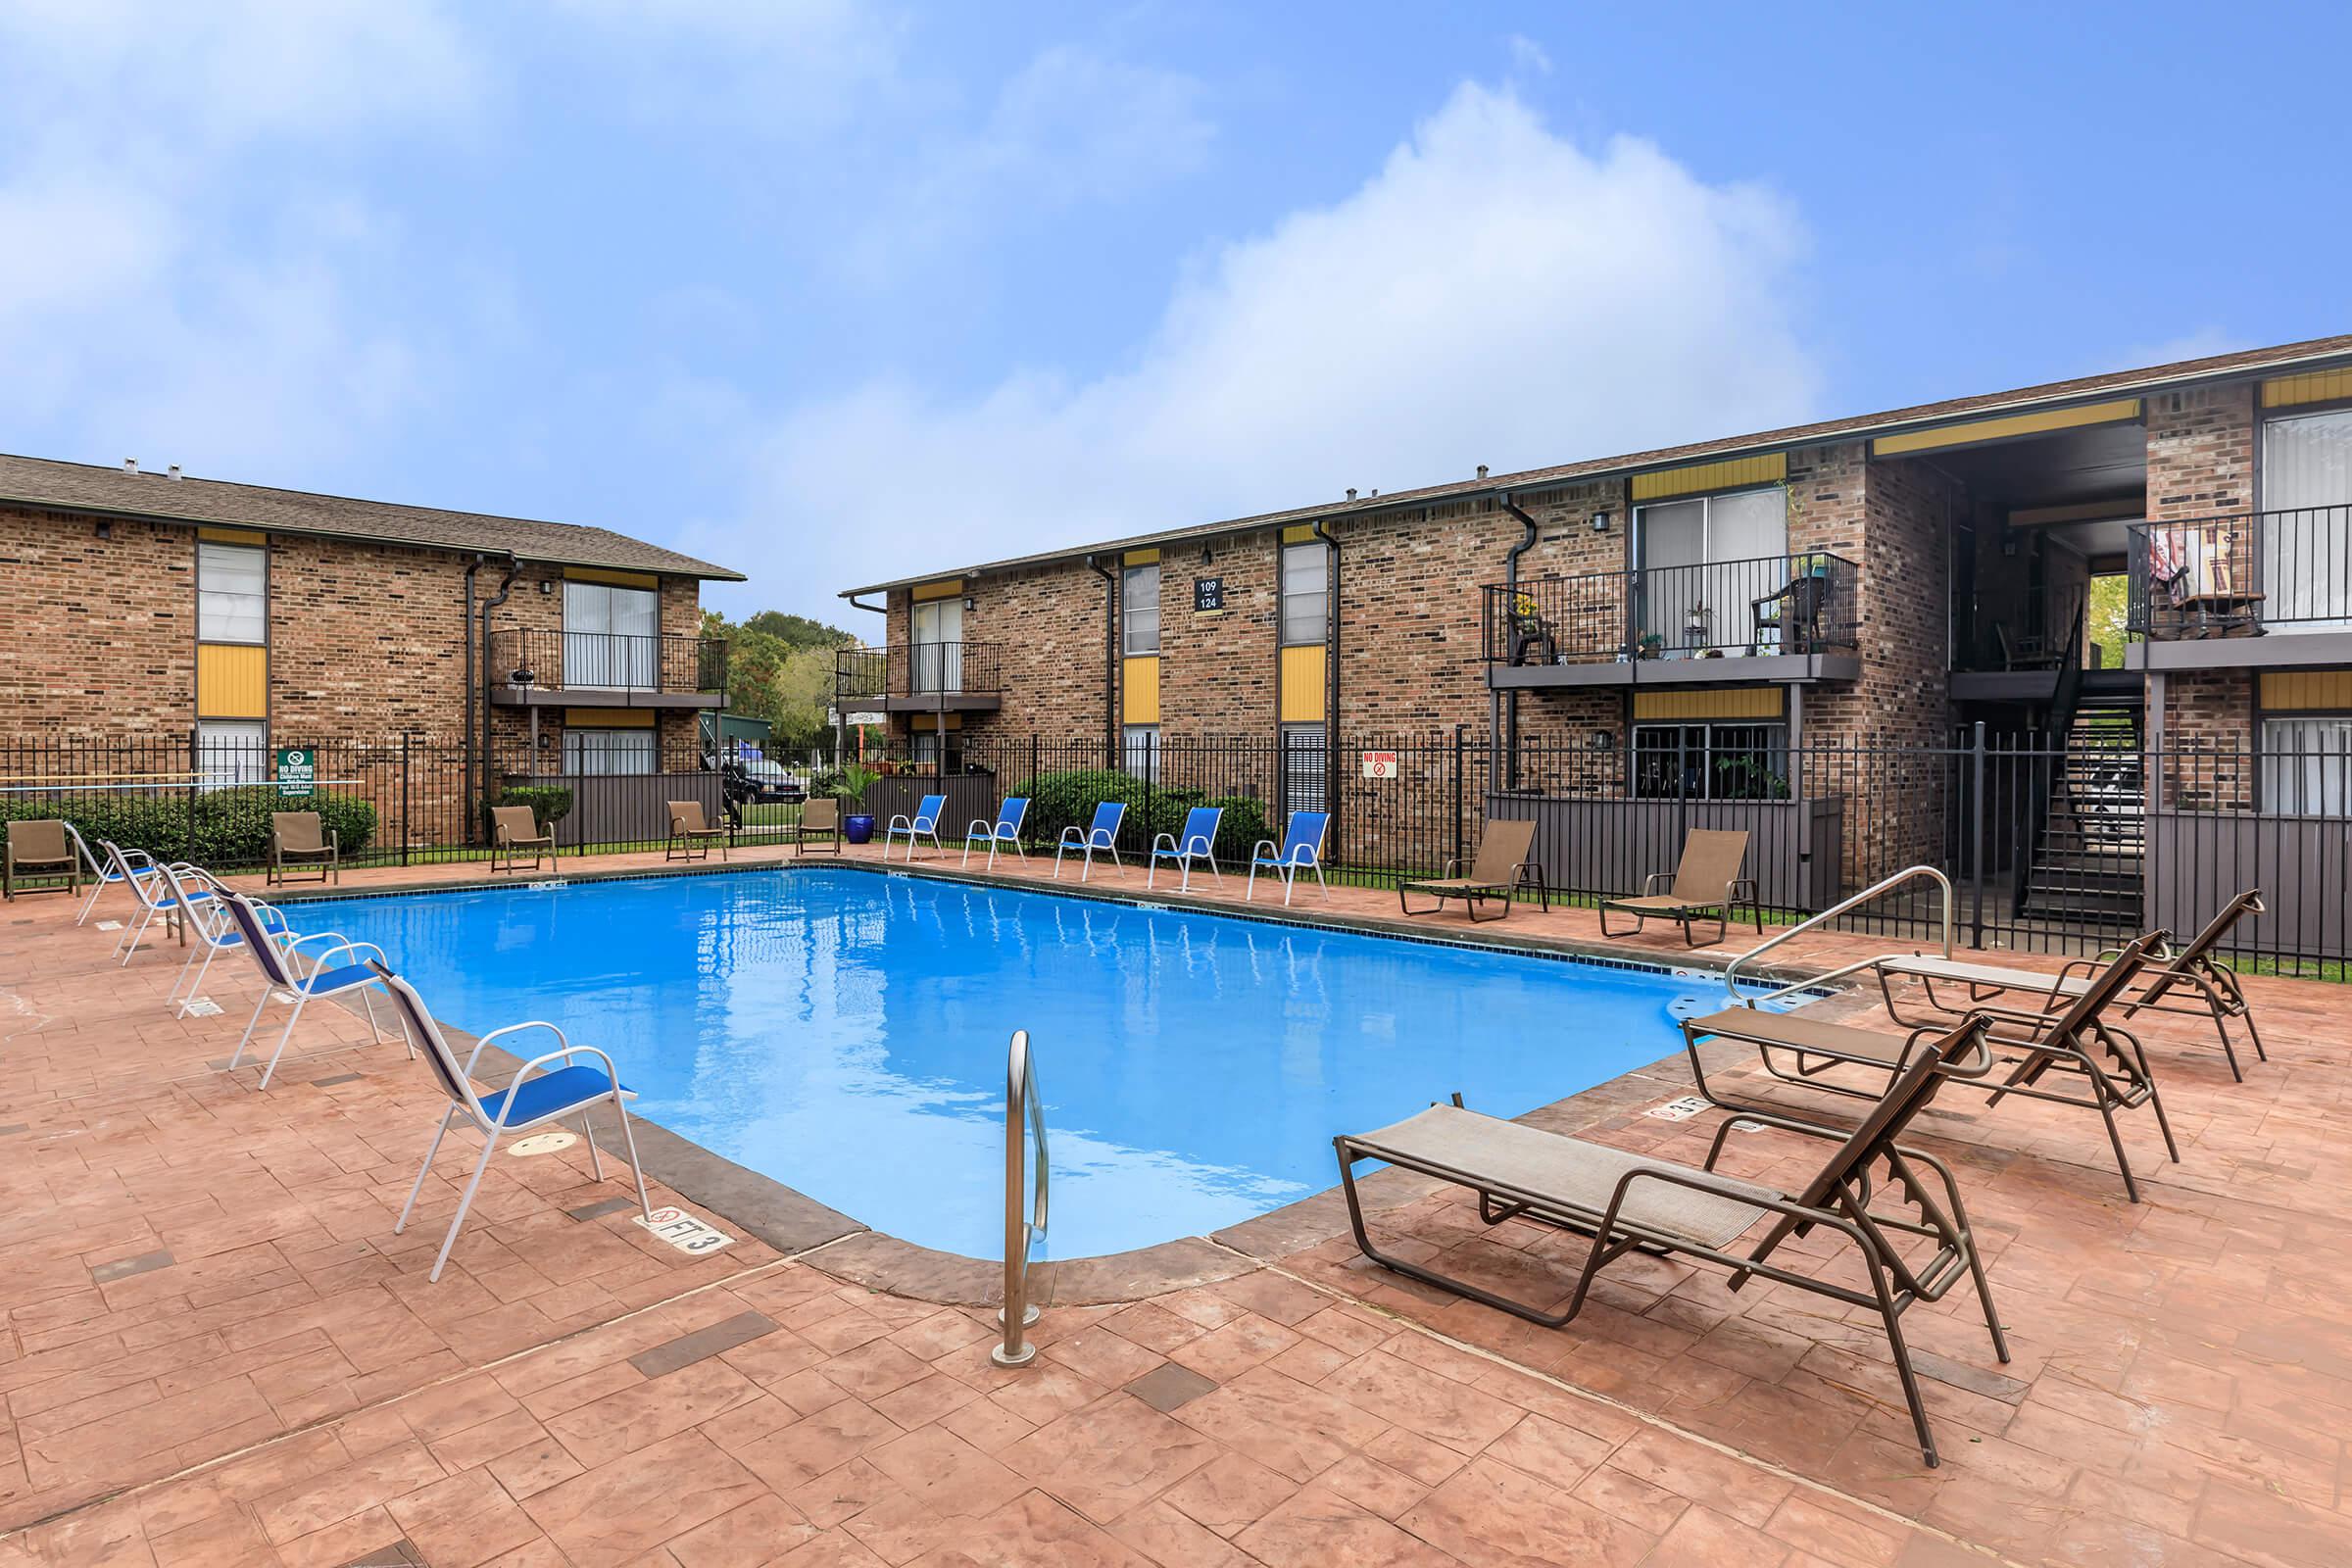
x=2113 y=1066
x=1708 y=879
x=513 y=829
x=1505 y=863
x=1627 y=1202
x=2190 y=968
x=39 y=848
x=300 y=841
x=820 y=819
x=691 y=834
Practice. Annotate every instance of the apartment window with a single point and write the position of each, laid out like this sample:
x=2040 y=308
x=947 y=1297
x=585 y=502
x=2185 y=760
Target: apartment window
x=930 y=755
x=938 y=651
x=2307 y=766
x=233 y=751
x=232 y=593
x=1706 y=561
x=1712 y=761
x=1305 y=593
x=1139 y=745
x=610 y=636
x=1305 y=771
x=2306 y=524
x=607 y=753
x=1138 y=610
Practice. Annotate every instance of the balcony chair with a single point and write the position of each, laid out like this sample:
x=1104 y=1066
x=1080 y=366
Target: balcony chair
x=1505 y=862
x=1707 y=879
x=924 y=823
x=820 y=819
x=1881 y=1196
x=513 y=829
x=691 y=834
x=1005 y=830
x=528 y=1101
x=1101 y=834
x=1197 y=842
x=40 y=849
x=282 y=967
x=1301 y=849
x=2032 y=1045
x=299 y=840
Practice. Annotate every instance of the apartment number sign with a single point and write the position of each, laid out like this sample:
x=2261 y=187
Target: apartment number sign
x=1208 y=594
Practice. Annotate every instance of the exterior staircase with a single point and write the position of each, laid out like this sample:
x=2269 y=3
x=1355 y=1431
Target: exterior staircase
x=2086 y=865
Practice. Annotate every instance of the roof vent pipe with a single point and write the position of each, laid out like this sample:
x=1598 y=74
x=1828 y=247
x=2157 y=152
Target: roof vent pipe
x=130 y=464
x=1351 y=492
x=1482 y=470
x=173 y=471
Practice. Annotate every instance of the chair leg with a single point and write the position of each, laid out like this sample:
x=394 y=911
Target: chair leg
x=300 y=997
x=1902 y=1366
x=1319 y=882
x=1250 y=888
x=2115 y=1137
x=596 y=1161
x=409 y=1208
x=628 y=1139
x=489 y=1142
x=259 y=1002
x=90 y=903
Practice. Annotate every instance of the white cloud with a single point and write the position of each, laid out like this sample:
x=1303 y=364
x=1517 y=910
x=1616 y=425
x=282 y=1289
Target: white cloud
x=1494 y=294
x=774 y=67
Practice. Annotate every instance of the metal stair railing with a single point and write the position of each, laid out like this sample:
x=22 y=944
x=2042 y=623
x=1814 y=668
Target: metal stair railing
x=1731 y=971
x=1025 y=1126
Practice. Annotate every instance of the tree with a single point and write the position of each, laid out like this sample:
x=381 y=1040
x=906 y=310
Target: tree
x=780 y=668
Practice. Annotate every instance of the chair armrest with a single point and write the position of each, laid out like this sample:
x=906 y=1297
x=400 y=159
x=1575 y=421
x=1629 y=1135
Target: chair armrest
x=901 y=819
x=335 y=842
x=1731 y=889
x=516 y=1029
x=1072 y=833
x=1169 y=838
x=1650 y=883
x=1269 y=850
x=539 y=1064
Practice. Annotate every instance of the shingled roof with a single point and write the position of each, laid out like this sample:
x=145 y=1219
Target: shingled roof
x=2285 y=359
x=84 y=487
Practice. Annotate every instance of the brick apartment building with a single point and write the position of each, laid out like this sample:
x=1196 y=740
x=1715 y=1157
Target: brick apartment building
x=1886 y=580
x=240 y=619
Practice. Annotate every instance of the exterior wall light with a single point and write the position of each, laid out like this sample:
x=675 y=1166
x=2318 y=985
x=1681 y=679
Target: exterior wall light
x=1600 y=522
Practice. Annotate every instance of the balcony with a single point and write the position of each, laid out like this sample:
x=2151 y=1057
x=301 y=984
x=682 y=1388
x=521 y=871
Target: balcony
x=918 y=678
x=2245 y=590
x=605 y=670
x=1773 y=618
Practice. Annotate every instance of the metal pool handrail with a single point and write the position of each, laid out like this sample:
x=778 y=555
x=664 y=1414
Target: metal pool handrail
x=1024 y=1124
x=1731 y=971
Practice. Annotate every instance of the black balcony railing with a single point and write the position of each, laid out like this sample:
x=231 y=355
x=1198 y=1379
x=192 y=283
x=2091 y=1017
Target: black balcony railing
x=608 y=662
x=2242 y=573
x=1799 y=604
x=917 y=670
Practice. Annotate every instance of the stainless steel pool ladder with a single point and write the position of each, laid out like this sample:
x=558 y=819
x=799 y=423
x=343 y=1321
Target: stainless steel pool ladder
x=1024 y=1125
x=1731 y=971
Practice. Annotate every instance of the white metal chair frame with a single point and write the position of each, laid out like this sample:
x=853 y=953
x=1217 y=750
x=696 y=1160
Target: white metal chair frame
x=1196 y=847
x=914 y=827
x=1086 y=839
x=280 y=973
x=1304 y=857
x=155 y=892
x=102 y=875
x=213 y=927
x=994 y=834
x=458 y=1083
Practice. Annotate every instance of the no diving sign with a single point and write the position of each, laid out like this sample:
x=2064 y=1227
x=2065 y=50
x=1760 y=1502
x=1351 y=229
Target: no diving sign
x=683 y=1230
x=1380 y=765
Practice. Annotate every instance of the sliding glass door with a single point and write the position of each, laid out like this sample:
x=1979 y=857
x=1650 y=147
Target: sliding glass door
x=1704 y=564
x=2306 y=524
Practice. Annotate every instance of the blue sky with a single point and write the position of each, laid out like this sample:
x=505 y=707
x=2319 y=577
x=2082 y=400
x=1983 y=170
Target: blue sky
x=832 y=292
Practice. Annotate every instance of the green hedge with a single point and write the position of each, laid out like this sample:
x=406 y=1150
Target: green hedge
x=220 y=829
x=1068 y=800
x=549 y=802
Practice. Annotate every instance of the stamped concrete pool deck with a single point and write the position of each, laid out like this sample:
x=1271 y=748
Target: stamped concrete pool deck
x=216 y=1351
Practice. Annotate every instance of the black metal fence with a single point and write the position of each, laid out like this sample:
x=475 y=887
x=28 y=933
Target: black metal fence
x=1797 y=604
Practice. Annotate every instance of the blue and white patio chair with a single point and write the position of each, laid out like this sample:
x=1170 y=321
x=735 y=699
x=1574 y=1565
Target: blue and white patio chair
x=1101 y=834
x=158 y=898
x=924 y=823
x=300 y=976
x=1005 y=830
x=102 y=867
x=1301 y=849
x=1197 y=842
x=535 y=1097
x=216 y=930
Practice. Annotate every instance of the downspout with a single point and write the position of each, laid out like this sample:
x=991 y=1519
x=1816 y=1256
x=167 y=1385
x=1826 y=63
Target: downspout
x=1110 y=662
x=1509 y=716
x=1331 y=687
x=506 y=586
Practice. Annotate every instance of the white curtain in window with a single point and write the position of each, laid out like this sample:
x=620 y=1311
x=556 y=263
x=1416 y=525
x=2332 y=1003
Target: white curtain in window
x=233 y=751
x=1706 y=561
x=605 y=752
x=232 y=593
x=2307 y=766
x=1138 y=610
x=938 y=649
x=1141 y=743
x=608 y=636
x=2307 y=522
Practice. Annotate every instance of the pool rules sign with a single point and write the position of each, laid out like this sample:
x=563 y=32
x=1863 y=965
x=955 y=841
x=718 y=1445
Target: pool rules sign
x=297 y=772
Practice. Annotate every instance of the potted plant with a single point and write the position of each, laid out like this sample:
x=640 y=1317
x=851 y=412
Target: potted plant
x=1652 y=643
x=1809 y=565
x=849 y=788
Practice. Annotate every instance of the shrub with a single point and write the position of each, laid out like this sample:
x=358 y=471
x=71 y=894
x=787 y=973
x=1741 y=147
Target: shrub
x=218 y=828
x=549 y=802
x=1067 y=800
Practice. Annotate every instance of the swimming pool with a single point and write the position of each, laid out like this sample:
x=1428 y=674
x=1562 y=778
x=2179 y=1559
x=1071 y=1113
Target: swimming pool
x=845 y=1032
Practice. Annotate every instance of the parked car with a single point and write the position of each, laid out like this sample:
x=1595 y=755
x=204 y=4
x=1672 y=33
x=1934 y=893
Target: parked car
x=770 y=782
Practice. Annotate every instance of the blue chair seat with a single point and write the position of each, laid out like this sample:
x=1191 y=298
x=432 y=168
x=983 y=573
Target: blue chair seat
x=548 y=1093
x=341 y=978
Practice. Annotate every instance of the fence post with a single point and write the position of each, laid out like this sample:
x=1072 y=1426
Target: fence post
x=187 y=828
x=1976 y=854
x=1681 y=784
x=407 y=827
x=1459 y=825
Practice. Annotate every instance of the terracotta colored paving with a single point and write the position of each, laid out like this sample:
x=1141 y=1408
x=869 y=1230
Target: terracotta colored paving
x=218 y=1353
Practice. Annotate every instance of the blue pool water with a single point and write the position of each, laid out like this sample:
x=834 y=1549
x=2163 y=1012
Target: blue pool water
x=845 y=1033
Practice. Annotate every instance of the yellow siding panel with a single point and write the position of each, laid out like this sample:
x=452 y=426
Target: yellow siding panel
x=1749 y=702
x=614 y=579
x=2306 y=691
x=931 y=722
x=2320 y=387
x=1302 y=684
x=1299 y=534
x=2002 y=429
x=232 y=680
x=924 y=593
x=232 y=536
x=1139 y=690
x=1730 y=475
x=608 y=718
x=1139 y=558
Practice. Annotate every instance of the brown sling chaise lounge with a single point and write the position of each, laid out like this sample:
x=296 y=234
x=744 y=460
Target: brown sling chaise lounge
x=300 y=842
x=819 y=819
x=2216 y=992
x=2112 y=1064
x=1707 y=879
x=1898 y=1206
x=691 y=834
x=39 y=848
x=514 y=829
x=1505 y=863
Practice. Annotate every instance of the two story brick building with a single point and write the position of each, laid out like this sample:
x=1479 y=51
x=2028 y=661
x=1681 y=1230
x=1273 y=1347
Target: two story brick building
x=243 y=618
